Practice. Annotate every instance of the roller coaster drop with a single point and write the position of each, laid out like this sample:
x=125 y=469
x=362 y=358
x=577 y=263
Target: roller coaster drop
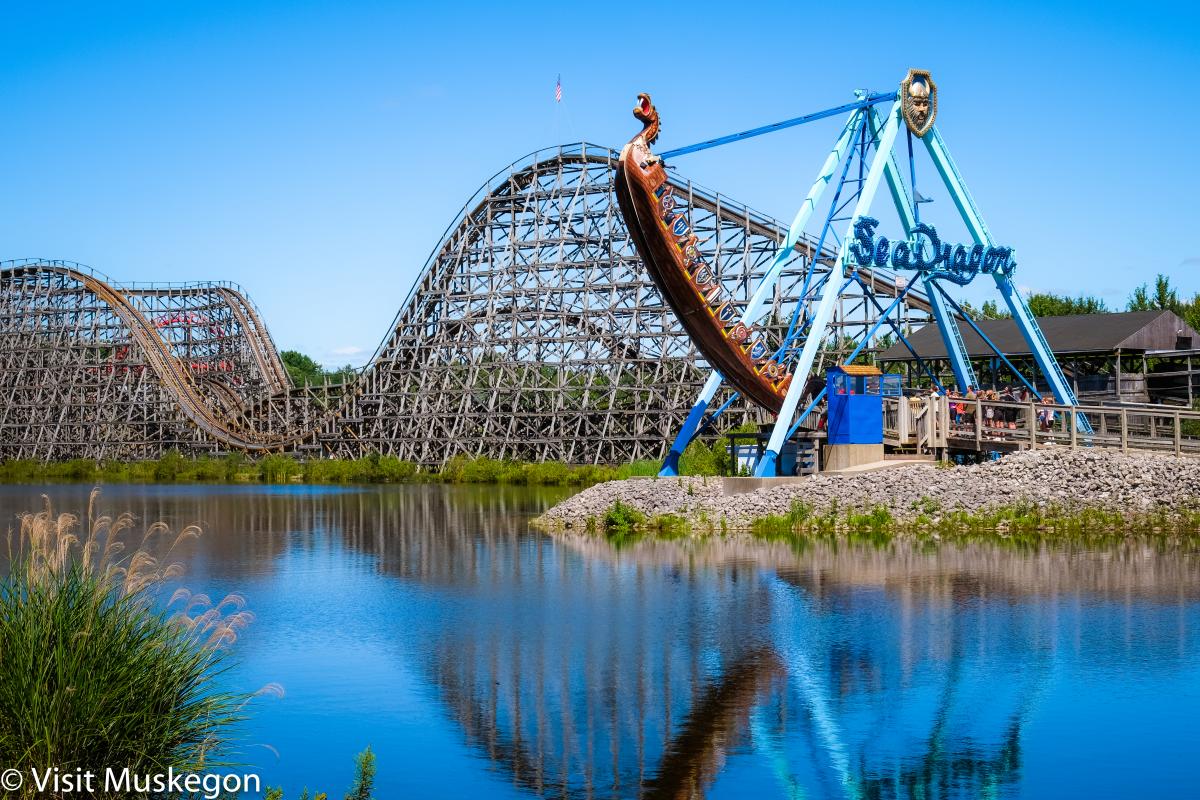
x=776 y=374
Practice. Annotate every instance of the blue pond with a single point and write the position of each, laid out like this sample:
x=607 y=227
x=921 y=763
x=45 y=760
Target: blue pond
x=482 y=659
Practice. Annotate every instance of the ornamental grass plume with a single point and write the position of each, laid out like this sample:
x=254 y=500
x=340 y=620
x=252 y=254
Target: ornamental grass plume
x=94 y=674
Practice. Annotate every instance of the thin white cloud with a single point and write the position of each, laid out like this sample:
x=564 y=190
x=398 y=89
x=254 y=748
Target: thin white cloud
x=348 y=350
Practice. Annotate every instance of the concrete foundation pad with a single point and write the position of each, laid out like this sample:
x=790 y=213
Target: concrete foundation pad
x=840 y=457
x=887 y=463
x=742 y=485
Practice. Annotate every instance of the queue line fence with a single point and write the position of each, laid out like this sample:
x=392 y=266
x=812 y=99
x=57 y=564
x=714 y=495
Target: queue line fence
x=928 y=424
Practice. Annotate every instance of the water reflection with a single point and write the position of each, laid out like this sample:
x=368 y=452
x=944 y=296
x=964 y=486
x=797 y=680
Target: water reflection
x=718 y=668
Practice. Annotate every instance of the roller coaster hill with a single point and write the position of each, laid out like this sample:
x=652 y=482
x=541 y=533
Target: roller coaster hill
x=532 y=332
x=585 y=305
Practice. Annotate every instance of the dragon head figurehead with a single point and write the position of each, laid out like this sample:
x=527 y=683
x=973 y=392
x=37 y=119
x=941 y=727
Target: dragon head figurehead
x=647 y=114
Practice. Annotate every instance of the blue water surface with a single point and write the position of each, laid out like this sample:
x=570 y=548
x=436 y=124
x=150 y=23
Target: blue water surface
x=482 y=659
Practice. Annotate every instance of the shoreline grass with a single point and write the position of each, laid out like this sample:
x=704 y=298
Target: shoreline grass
x=97 y=672
x=924 y=521
x=173 y=468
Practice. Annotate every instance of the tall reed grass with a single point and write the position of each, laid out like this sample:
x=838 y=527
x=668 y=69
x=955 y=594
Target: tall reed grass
x=94 y=673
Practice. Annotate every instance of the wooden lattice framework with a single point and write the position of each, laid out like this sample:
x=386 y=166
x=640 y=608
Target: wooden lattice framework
x=533 y=332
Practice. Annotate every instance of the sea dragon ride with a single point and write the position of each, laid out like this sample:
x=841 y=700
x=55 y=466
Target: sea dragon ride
x=658 y=222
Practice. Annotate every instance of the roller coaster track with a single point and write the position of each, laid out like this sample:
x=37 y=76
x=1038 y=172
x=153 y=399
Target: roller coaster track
x=259 y=339
x=170 y=370
x=532 y=331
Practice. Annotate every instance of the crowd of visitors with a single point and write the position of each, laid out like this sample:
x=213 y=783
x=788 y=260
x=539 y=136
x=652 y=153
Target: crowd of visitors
x=963 y=408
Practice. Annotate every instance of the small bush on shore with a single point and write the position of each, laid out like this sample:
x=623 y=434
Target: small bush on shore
x=362 y=788
x=638 y=469
x=700 y=459
x=670 y=526
x=278 y=468
x=621 y=518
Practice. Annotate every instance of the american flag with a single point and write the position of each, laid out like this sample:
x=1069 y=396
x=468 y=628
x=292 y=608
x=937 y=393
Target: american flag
x=558 y=90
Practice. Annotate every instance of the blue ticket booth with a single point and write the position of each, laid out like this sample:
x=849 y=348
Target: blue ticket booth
x=856 y=403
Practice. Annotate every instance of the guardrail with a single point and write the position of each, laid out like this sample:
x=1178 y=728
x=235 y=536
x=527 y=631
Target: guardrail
x=928 y=424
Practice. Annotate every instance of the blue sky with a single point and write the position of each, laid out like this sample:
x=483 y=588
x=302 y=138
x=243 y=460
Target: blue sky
x=314 y=152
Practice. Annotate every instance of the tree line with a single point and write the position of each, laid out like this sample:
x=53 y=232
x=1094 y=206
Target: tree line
x=1162 y=296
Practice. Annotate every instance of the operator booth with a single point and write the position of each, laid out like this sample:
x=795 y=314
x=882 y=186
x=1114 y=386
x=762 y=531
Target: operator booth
x=855 y=417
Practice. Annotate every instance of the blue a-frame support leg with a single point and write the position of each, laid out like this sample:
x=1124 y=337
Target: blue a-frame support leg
x=956 y=349
x=1021 y=314
x=824 y=314
x=763 y=293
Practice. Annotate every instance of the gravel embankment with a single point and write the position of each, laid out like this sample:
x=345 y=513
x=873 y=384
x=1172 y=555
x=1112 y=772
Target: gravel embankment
x=1079 y=479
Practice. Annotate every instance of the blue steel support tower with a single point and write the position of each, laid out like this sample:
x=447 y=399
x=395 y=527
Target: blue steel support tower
x=869 y=139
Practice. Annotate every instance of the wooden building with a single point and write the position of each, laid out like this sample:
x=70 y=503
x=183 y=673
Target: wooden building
x=1131 y=357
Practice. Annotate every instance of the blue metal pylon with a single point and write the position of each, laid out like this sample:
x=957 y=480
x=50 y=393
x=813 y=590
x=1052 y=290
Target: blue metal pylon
x=1022 y=316
x=824 y=314
x=758 y=301
x=865 y=128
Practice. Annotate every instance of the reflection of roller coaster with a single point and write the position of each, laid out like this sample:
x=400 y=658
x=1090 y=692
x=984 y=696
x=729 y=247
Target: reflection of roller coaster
x=532 y=332
x=578 y=669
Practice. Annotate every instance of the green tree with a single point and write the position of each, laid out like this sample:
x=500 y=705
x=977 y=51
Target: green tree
x=1163 y=298
x=303 y=369
x=1047 y=304
x=990 y=310
x=364 y=776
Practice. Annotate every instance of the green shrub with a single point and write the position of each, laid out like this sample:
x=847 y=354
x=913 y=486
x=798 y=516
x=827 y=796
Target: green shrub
x=278 y=468
x=19 y=470
x=452 y=470
x=93 y=675
x=670 y=526
x=206 y=470
x=78 y=469
x=169 y=467
x=699 y=458
x=549 y=473
x=482 y=470
x=638 y=469
x=231 y=467
x=390 y=469
x=1191 y=427
x=621 y=517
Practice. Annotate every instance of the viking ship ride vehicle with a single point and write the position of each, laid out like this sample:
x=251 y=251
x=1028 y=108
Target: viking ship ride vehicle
x=659 y=225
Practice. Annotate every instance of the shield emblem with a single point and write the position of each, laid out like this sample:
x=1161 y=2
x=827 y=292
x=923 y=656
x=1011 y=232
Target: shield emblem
x=918 y=101
x=679 y=226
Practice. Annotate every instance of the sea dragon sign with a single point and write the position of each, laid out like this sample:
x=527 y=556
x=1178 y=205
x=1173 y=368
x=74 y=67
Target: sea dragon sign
x=924 y=251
